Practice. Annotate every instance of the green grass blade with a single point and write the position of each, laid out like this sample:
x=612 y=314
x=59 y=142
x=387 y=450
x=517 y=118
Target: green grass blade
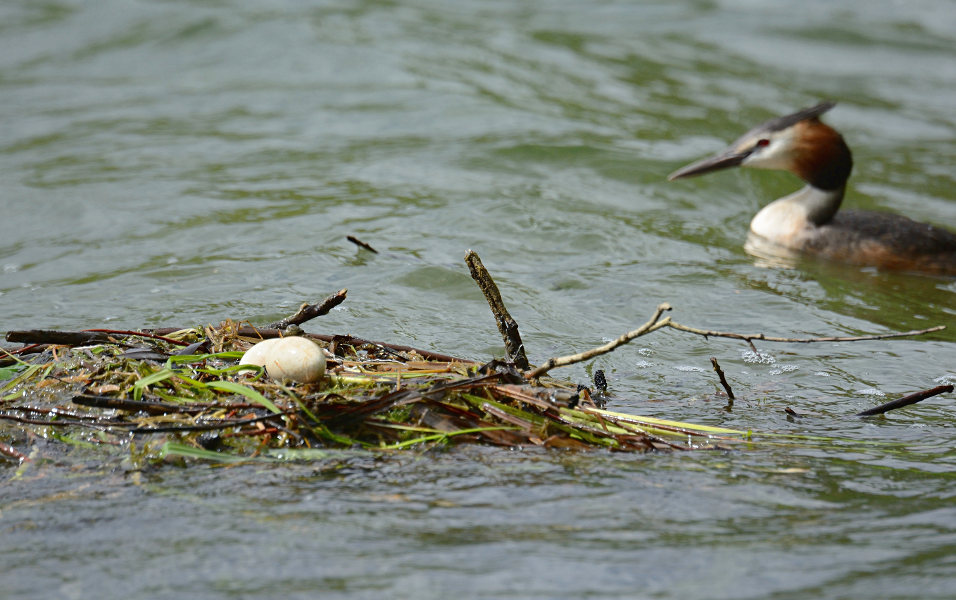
x=141 y=384
x=445 y=435
x=248 y=392
x=177 y=449
x=26 y=374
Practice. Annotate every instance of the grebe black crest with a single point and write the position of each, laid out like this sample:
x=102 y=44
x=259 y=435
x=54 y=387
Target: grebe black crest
x=809 y=221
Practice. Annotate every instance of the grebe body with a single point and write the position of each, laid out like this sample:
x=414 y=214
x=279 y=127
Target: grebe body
x=809 y=221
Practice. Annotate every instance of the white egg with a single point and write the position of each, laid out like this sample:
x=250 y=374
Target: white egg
x=258 y=353
x=296 y=358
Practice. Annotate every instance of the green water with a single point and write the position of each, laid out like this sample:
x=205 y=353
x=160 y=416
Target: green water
x=173 y=163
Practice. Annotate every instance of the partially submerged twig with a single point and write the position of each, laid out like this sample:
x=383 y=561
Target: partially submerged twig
x=766 y=338
x=723 y=380
x=311 y=311
x=153 y=408
x=657 y=323
x=906 y=401
x=507 y=326
x=360 y=243
x=653 y=324
x=212 y=425
x=8 y=450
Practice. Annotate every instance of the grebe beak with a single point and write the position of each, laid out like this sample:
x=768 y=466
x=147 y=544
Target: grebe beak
x=731 y=157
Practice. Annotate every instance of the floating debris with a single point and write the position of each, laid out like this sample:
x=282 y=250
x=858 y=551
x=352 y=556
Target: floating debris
x=372 y=397
x=182 y=392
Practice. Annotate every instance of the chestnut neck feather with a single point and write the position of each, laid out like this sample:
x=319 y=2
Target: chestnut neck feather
x=820 y=156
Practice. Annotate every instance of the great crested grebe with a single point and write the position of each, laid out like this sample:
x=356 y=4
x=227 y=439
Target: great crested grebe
x=808 y=220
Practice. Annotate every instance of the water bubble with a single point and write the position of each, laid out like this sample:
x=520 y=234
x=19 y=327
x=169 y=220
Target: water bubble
x=749 y=356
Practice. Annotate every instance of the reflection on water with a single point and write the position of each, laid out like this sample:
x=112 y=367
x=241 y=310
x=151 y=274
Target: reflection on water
x=768 y=255
x=177 y=163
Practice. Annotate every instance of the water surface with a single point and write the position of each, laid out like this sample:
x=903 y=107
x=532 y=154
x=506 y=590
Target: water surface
x=172 y=163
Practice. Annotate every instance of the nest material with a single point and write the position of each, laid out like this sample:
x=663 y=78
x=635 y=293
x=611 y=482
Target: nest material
x=374 y=397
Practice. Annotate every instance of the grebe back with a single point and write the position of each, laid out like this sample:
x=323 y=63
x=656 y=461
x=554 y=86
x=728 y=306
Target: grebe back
x=809 y=221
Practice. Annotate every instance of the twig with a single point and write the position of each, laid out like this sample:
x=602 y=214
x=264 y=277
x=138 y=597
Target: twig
x=79 y=338
x=507 y=326
x=906 y=401
x=759 y=336
x=64 y=338
x=153 y=408
x=311 y=311
x=140 y=334
x=360 y=243
x=653 y=324
x=28 y=349
x=723 y=380
x=61 y=422
x=209 y=425
x=8 y=450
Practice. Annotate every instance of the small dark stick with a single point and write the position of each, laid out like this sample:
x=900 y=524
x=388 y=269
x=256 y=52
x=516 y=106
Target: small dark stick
x=153 y=408
x=906 y=401
x=360 y=243
x=311 y=311
x=507 y=326
x=65 y=338
x=576 y=398
x=723 y=380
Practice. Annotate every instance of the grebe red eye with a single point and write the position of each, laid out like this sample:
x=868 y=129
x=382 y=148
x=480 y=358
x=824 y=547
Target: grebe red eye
x=763 y=142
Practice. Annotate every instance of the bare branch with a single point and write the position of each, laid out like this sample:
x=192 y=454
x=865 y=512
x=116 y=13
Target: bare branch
x=311 y=311
x=507 y=326
x=653 y=324
x=759 y=336
x=905 y=401
x=360 y=243
x=723 y=380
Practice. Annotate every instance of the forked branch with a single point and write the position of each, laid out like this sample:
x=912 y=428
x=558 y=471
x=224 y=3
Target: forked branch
x=653 y=324
x=656 y=322
x=749 y=337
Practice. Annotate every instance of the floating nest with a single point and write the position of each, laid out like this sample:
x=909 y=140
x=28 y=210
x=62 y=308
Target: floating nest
x=183 y=393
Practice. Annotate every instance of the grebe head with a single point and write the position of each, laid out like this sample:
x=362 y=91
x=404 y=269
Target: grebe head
x=799 y=143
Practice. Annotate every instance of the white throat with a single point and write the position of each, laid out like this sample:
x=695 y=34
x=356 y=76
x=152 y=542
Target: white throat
x=783 y=220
